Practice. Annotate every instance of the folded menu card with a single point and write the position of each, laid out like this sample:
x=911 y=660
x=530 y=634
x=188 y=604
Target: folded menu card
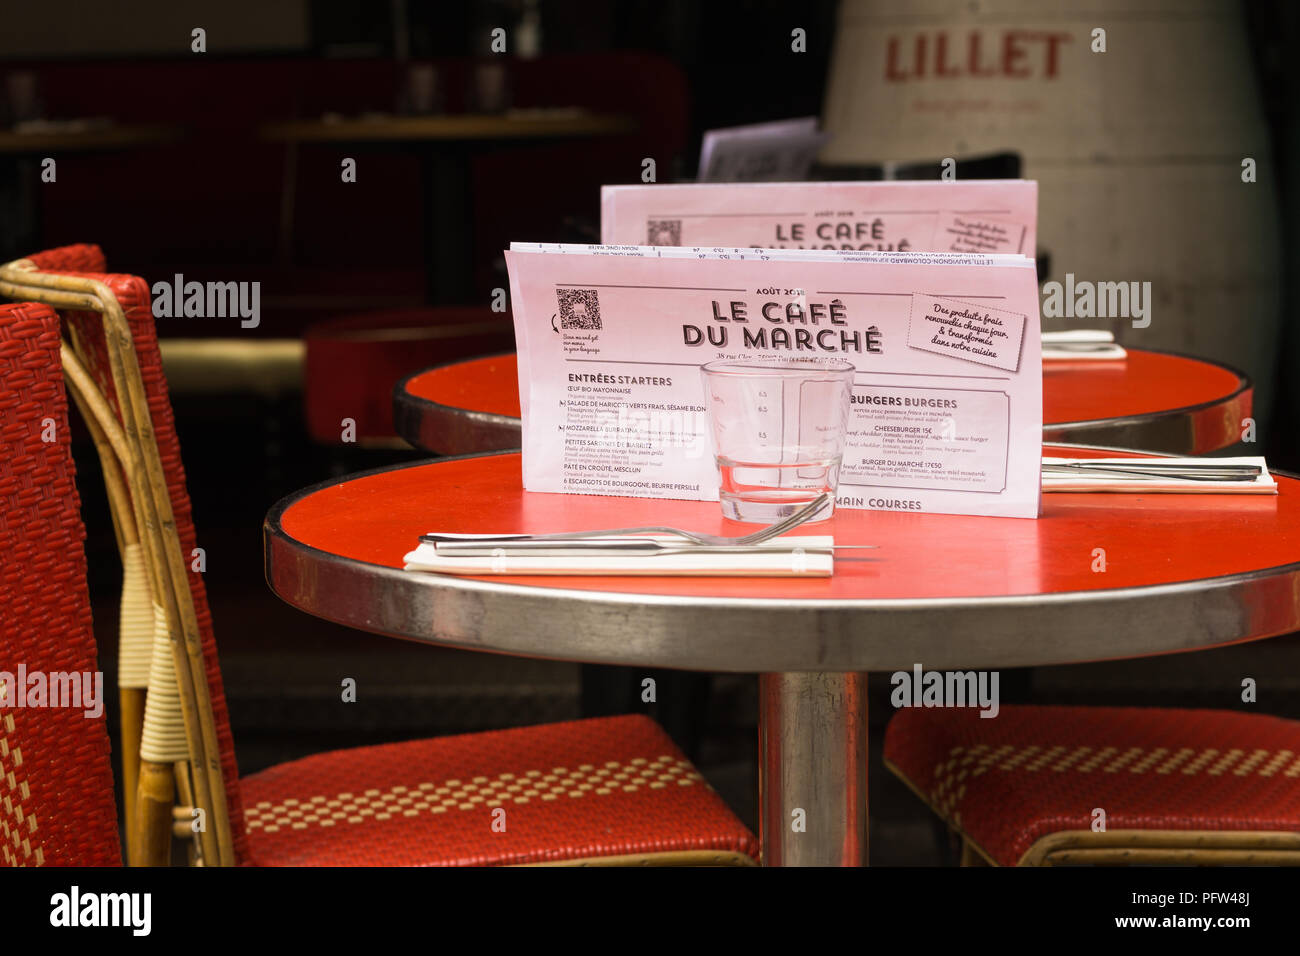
x=983 y=216
x=790 y=556
x=760 y=152
x=947 y=403
x=1082 y=345
x=1162 y=475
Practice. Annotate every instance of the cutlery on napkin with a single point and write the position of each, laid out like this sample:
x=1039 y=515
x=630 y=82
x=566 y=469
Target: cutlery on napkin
x=1085 y=344
x=790 y=556
x=1243 y=476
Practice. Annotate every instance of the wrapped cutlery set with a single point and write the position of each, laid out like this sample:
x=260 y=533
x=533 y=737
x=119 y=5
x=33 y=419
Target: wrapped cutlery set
x=1081 y=345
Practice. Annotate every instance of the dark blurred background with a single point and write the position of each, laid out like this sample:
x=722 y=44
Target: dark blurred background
x=205 y=181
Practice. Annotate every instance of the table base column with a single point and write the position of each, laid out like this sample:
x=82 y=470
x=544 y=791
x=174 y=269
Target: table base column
x=812 y=762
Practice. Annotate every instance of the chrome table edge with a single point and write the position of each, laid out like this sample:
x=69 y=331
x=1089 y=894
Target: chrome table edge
x=754 y=635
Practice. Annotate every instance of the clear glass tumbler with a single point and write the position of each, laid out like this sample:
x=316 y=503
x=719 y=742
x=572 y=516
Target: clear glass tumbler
x=778 y=433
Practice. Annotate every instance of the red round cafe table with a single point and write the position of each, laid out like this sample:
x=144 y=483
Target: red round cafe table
x=1151 y=400
x=1182 y=572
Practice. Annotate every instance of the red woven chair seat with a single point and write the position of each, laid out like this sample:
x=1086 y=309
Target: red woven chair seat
x=1008 y=781
x=606 y=787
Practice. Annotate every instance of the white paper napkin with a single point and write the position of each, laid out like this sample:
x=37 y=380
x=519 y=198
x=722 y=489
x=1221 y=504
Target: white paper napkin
x=1054 y=345
x=788 y=556
x=1263 y=484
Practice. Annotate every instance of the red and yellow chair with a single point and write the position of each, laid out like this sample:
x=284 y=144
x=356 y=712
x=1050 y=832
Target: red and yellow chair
x=1043 y=786
x=605 y=791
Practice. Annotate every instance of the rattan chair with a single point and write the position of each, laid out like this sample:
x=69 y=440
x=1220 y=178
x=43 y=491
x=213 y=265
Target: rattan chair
x=139 y=621
x=100 y=363
x=1043 y=786
x=56 y=782
x=600 y=791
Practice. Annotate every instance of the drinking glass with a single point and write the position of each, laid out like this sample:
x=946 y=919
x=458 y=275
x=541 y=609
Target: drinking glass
x=778 y=433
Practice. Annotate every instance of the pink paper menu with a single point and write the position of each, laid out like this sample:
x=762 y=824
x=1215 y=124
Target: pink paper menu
x=970 y=216
x=947 y=400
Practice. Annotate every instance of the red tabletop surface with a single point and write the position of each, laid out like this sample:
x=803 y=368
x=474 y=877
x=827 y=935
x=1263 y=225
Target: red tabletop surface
x=1148 y=539
x=480 y=385
x=1143 y=383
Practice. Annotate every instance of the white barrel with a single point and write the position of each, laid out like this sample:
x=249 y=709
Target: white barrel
x=1138 y=150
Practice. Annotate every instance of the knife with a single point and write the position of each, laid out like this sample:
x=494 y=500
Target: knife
x=595 y=547
x=1195 y=471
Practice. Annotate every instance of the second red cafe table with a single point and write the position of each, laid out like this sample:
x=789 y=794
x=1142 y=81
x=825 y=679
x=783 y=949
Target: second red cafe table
x=1183 y=572
x=1156 y=401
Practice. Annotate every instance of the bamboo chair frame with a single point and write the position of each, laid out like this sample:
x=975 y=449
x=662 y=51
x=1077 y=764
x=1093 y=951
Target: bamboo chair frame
x=110 y=444
x=1152 y=848
x=146 y=840
x=705 y=858
x=114 y=458
x=165 y=564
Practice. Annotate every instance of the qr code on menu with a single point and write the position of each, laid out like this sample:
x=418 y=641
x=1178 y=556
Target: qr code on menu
x=579 y=309
x=663 y=232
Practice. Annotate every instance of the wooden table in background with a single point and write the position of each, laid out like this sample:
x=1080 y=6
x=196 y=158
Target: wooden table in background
x=86 y=139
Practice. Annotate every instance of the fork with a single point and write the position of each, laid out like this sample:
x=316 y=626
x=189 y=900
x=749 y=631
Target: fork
x=710 y=540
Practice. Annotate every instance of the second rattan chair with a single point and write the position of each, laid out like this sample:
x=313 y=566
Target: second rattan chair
x=1040 y=786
